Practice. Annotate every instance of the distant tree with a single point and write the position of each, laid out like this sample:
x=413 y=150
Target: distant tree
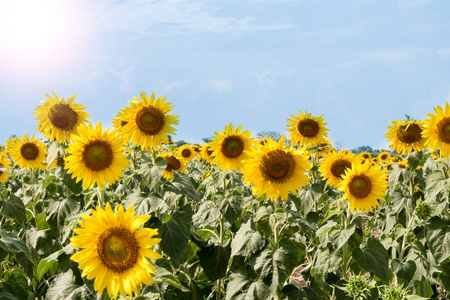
x=169 y=138
x=365 y=149
x=207 y=140
x=13 y=136
x=337 y=145
x=181 y=143
x=274 y=135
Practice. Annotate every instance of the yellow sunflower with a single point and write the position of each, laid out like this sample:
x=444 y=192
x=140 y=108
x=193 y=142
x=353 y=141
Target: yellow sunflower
x=405 y=136
x=384 y=157
x=334 y=165
x=58 y=119
x=230 y=147
x=206 y=153
x=118 y=122
x=362 y=185
x=148 y=122
x=115 y=250
x=29 y=153
x=5 y=164
x=174 y=163
x=10 y=144
x=96 y=156
x=186 y=153
x=437 y=131
x=307 y=130
x=275 y=170
x=365 y=155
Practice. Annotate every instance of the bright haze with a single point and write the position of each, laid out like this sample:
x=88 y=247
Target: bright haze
x=359 y=63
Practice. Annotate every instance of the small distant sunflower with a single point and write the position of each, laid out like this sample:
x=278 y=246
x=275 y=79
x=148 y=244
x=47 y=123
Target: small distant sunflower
x=437 y=131
x=174 y=163
x=96 y=156
x=58 y=119
x=276 y=170
x=186 y=153
x=384 y=157
x=334 y=165
x=230 y=147
x=5 y=164
x=148 y=122
x=10 y=144
x=29 y=153
x=405 y=136
x=206 y=153
x=362 y=185
x=365 y=155
x=403 y=164
x=307 y=130
x=115 y=251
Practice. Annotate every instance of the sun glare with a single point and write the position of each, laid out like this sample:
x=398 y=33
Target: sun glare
x=34 y=32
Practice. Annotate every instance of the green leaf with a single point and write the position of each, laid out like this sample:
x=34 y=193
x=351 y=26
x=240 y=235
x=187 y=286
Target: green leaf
x=175 y=234
x=59 y=210
x=153 y=172
x=53 y=151
x=145 y=205
x=292 y=292
x=373 y=258
x=404 y=271
x=43 y=267
x=325 y=263
x=41 y=223
x=231 y=207
x=339 y=237
x=438 y=238
x=49 y=179
x=238 y=284
x=207 y=215
x=64 y=287
x=162 y=275
x=13 y=207
x=182 y=185
x=13 y=244
x=7 y=296
x=414 y=159
x=214 y=261
x=16 y=283
x=71 y=183
x=445 y=275
x=247 y=240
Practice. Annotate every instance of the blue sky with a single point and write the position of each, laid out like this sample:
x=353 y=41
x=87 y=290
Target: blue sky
x=256 y=62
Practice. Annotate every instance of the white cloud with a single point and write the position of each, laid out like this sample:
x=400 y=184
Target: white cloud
x=391 y=55
x=444 y=52
x=220 y=85
x=126 y=79
x=169 y=17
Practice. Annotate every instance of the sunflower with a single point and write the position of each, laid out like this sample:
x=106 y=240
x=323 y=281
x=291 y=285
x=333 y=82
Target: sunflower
x=334 y=165
x=362 y=185
x=147 y=121
x=29 y=153
x=118 y=122
x=96 y=156
x=365 y=155
x=230 y=147
x=186 y=153
x=437 y=131
x=384 y=157
x=5 y=164
x=10 y=144
x=405 y=136
x=307 y=130
x=206 y=153
x=174 y=163
x=58 y=119
x=115 y=250
x=275 y=170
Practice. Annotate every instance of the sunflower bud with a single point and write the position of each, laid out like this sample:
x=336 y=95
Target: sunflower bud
x=423 y=210
x=358 y=287
x=394 y=293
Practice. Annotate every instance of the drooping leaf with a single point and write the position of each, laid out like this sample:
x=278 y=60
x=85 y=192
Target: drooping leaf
x=247 y=240
x=64 y=287
x=438 y=238
x=12 y=244
x=231 y=207
x=373 y=258
x=214 y=261
x=60 y=209
x=13 y=207
x=404 y=271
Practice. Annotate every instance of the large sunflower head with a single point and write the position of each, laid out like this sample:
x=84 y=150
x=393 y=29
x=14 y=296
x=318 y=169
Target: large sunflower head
x=437 y=131
x=362 y=185
x=58 y=119
x=96 y=156
x=29 y=153
x=405 y=136
x=186 y=153
x=147 y=121
x=174 y=163
x=334 y=165
x=307 y=130
x=115 y=251
x=275 y=170
x=230 y=147
x=4 y=162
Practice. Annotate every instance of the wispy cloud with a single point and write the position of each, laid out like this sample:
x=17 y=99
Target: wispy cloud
x=126 y=79
x=169 y=17
x=391 y=55
x=220 y=85
x=444 y=52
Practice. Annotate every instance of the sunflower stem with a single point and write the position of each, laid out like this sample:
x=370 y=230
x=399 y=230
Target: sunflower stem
x=346 y=257
x=405 y=237
x=221 y=240
x=101 y=198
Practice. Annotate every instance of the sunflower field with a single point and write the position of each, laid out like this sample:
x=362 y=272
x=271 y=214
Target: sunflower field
x=88 y=212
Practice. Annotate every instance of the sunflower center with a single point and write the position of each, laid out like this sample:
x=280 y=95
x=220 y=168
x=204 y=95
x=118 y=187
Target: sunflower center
x=186 y=153
x=98 y=155
x=443 y=128
x=409 y=134
x=360 y=186
x=277 y=166
x=150 y=120
x=123 y=123
x=29 y=151
x=366 y=156
x=209 y=151
x=62 y=116
x=118 y=249
x=308 y=127
x=1 y=172
x=232 y=146
x=384 y=156
x=173 y=164
x=339 y=166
